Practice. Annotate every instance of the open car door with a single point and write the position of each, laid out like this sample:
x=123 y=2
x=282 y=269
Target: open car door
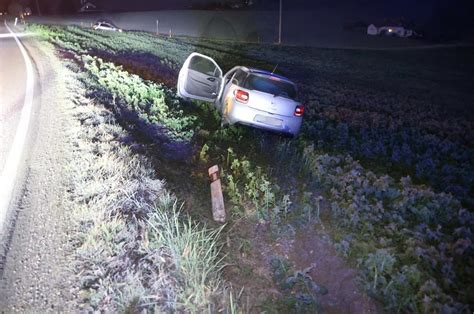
x=199 y=78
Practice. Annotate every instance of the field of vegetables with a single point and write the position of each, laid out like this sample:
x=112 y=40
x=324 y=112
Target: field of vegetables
x=387 y=140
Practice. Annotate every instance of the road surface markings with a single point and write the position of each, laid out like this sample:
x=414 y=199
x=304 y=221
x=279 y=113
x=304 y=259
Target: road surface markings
x=13 y=35
x=10 y=171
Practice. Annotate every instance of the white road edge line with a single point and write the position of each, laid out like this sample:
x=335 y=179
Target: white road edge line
x=17 y=35
x=10 y=172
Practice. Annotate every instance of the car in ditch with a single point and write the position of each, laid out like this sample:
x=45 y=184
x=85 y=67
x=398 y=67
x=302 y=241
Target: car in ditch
x=244 y=95
x=106 y=26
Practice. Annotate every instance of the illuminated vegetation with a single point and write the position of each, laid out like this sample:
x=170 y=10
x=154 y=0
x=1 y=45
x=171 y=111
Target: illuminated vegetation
x=413 y=243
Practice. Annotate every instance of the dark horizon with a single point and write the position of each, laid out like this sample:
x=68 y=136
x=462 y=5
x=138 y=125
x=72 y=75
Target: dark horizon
x=449 y=18
x=398 y=7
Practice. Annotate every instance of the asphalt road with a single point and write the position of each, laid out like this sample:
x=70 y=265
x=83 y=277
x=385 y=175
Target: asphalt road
x=12 y=91
x=17 y=103
x=35 y=250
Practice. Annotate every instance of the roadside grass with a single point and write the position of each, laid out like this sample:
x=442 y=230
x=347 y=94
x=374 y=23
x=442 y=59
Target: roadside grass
x=413 y=245
x=137 y=250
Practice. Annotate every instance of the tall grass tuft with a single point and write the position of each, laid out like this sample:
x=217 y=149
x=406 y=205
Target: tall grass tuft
x=194 y=253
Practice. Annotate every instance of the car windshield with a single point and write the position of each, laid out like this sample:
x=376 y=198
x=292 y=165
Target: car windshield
x=270 y=85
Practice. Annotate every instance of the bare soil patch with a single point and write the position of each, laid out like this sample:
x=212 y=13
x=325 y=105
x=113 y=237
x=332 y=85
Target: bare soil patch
x=312 y=248
x=252 y=247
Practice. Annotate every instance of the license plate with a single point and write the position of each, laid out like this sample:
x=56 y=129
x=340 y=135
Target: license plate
x=268 y=120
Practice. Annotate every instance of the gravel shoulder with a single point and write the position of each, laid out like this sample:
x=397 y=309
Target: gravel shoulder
x=36 y=269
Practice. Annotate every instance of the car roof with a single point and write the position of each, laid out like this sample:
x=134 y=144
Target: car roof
x=105 y=22
x=264 y=72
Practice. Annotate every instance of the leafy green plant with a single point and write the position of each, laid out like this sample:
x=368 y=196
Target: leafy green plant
x=396 y=230
x=149 y=100
x=302 y=292
x=203 y=156
x=249 y=186
x=379 y=266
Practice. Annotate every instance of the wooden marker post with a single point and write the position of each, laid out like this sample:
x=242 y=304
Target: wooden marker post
x=218 y=209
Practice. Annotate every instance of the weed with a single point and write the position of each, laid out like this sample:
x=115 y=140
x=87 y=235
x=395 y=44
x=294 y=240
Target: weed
x=302 y=291
x=249 y=185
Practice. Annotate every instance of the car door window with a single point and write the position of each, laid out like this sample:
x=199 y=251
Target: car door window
x=203 y=79
x=204 y=66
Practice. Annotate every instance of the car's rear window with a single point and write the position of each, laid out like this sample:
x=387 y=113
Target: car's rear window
x=268 y=85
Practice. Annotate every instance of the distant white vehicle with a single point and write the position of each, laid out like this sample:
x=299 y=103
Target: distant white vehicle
x=396 y=31
x=106 y=26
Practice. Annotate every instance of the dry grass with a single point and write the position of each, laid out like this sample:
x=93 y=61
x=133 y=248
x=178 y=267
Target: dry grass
x=136 y=251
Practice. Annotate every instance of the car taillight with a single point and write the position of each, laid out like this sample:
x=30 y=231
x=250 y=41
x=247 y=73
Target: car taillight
x=299 y=111
x=242 y=96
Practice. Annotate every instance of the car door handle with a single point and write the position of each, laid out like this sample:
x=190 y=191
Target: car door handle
x=212 y=79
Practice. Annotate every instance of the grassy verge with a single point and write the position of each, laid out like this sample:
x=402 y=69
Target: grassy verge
x=137 y=251
x=413 y=245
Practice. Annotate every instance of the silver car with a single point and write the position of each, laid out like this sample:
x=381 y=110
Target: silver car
x=106 y=26
x=246 y=96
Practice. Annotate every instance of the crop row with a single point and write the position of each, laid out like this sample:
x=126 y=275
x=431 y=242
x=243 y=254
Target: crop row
x=404 y=112
x=413 y=245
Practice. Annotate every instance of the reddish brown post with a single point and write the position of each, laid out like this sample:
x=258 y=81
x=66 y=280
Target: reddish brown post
x=218 y=209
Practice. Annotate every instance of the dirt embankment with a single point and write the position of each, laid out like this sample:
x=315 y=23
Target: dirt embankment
x=37 y=269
